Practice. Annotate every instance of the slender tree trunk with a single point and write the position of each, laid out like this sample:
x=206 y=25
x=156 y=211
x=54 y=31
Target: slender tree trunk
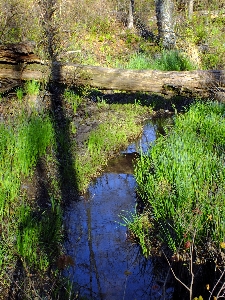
x=131 y=15
x=165 y=23
x=190 y=8
x=47 y=9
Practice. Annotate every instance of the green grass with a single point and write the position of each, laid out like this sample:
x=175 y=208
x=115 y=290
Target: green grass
x=32 y=87
x=167 y=61
x=19 y=94
x=27 y=233
x=139 y=226
x=38 y=236
x=182 y=179
x=73 y=99
x=110 y=136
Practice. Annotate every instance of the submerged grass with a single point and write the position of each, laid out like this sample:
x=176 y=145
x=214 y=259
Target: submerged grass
x=182 y=179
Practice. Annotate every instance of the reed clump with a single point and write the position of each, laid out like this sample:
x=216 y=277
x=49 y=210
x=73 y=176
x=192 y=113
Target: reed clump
x=181 y=181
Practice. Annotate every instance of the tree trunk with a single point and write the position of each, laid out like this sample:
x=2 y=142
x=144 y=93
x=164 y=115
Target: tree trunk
x=190 y=7
x=165 y=23
x=130 y=22
x=164 y=82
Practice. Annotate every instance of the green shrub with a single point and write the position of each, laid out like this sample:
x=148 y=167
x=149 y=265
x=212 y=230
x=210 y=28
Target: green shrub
x=139 y=61
x=173 y=61
x=19 y=94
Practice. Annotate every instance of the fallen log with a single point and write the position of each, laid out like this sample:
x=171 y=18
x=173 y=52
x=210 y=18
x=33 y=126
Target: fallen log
x=154 y=81
x=19 y=64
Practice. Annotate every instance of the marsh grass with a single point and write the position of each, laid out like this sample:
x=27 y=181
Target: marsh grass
x=139 y=226
x=182 y=179
x=38 y=236
x=32 y=87
x=19 y=94
x=106 y=140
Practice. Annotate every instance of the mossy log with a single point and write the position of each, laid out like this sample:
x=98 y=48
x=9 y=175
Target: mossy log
x=20 y=63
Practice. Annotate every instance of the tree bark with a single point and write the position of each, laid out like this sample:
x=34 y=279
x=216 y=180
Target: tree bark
x=164 y=82
x=190 y=7
x=130 y=22
x=165 y=23
x=185 y=82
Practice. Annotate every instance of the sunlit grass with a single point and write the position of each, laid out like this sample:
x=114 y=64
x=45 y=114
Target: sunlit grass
x=110 y=136
x=182 y=178
x=74 y=99
x=166 y=61
x=31 y=236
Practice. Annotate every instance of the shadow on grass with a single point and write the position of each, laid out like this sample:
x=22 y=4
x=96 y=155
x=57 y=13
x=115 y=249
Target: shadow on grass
x=67 y=173
x=43 y=217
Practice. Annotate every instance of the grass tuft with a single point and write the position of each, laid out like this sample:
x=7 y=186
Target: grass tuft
x=166 y=61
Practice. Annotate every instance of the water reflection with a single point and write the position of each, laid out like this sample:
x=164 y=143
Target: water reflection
x=148 y=137
x=106 y=264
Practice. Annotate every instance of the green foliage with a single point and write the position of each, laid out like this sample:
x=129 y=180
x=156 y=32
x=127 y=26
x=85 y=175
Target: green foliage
x=101 y=25
x=32 y=87
x=108 y=137
x=212 y=60
x=173 y=61
x=140 y=226
x=197 y=30
x=182 y=178
x=132 y=38
x=38 y=237
x=31 y=235
x=33 y=137
x=207 y=33
x=139 y=61
x=20 y=147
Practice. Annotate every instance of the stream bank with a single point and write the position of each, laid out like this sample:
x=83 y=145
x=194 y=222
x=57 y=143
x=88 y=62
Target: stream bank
x=108 y=264
x=46 y=179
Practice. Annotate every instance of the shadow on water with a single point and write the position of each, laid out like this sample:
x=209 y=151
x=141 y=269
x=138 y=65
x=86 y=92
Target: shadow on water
x=106 y=264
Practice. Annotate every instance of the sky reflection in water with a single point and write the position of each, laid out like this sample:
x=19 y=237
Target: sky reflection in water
x=106 y=264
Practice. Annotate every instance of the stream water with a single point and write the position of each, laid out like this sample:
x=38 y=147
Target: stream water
x=106 y=264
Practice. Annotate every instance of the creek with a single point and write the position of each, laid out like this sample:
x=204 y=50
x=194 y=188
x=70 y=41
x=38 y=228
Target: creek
x=107 y=265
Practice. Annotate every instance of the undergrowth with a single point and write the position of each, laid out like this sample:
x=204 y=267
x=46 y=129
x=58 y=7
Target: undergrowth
x=166 y=61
